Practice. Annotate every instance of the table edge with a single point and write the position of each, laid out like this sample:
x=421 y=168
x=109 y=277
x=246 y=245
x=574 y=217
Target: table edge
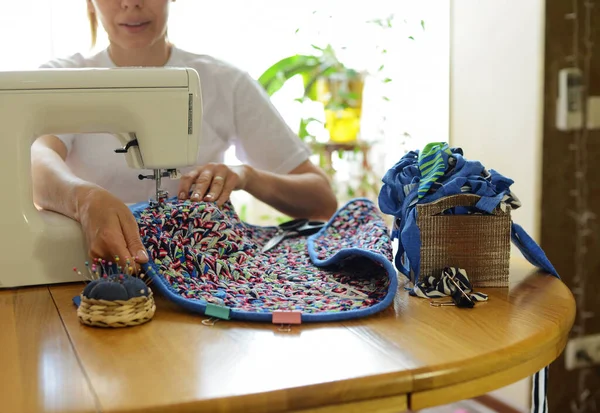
x=484 y=384
x=444 y=375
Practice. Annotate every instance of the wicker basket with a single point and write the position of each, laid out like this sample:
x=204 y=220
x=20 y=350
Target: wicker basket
x=478 y=243
x=118 y=313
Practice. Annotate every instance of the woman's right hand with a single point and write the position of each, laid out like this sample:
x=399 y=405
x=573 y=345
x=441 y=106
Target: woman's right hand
x=110 y=228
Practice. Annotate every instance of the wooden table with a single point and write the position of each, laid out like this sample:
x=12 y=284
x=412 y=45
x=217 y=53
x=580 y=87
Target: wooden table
x=410 y=356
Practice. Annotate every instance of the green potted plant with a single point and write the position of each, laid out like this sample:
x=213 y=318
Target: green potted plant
x=340 y=89
x=328 y=81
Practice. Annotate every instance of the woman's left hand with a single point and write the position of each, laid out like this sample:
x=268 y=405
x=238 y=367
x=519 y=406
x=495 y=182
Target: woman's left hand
x=212 y=182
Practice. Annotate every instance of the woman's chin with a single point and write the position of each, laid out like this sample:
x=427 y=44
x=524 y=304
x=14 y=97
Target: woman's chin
x=133 y=44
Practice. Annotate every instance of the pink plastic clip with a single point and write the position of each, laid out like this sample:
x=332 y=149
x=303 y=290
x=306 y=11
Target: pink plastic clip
x=287 y=317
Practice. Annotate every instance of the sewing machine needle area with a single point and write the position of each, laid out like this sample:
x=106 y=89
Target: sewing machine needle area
x=161 y=195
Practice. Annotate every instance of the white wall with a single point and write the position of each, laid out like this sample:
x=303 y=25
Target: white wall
x=496 y=98
x=496 y=105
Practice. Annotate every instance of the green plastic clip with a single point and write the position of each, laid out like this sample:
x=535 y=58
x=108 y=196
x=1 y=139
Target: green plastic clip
x=217 y=311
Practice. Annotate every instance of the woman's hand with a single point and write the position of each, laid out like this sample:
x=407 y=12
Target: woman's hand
x=110 y=228
x=213 y=182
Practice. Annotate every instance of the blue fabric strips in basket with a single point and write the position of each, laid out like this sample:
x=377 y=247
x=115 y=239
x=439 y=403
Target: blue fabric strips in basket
x=207 y=260
x=439 y=171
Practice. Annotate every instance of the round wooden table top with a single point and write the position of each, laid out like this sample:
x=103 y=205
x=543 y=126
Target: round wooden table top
x=411 y=355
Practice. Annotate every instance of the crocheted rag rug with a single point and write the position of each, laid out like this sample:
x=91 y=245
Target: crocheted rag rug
x=207 y=260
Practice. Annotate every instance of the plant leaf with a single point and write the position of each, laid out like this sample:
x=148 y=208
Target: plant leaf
x=302 y=130
x=281 y=220
x=310 y=81
x=275 y=76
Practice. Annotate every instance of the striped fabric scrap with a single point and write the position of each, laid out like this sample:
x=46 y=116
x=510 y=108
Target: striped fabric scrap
x=441 y=286
x=539 y=391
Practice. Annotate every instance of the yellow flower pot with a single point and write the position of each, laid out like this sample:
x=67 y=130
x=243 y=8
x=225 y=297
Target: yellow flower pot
x=342 y=98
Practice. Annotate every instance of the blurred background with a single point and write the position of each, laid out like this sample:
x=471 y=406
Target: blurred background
x=399 y=50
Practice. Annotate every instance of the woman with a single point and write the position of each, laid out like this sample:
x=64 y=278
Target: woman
x=80 y=177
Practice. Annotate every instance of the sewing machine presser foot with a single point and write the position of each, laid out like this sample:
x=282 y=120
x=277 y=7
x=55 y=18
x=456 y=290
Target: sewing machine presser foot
x=161 y=194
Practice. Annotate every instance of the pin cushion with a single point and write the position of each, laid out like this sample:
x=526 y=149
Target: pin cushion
x=116 y=300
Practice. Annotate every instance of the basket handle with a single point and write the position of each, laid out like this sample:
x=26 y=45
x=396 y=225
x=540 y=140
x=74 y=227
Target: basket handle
x=440 y=205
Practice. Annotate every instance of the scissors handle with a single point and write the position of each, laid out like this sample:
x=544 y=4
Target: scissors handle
x=293 y=224
x=310 y=227
x=292 y=229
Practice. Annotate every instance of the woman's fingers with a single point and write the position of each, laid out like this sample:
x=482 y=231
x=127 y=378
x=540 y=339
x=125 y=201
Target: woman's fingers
x=211 y=183
x=185 y=184
x=111 y=232
x=111 y=243
x=216 y=187
x=108 y=246
x=228 y=188
x=131 y=236
x=202 y=183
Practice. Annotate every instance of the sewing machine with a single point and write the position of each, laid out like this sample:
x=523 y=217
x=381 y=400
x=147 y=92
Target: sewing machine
x=155 y=113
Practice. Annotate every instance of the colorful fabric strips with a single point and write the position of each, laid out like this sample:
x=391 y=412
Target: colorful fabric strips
x=202 y=254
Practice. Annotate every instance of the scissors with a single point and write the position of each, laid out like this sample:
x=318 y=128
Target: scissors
x=294 y=228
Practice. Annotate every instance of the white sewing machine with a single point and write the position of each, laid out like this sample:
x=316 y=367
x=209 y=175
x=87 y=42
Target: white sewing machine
x=155 y=112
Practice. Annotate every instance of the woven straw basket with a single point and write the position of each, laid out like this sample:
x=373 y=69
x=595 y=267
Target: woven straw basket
x=118 y=313
x=478 y=243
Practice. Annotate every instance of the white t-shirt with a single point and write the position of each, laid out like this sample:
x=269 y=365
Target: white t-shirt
x=236 y=111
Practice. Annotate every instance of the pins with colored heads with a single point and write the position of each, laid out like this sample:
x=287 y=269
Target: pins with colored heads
x=102 y=268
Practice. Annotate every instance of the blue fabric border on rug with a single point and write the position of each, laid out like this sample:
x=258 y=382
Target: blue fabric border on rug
x=199 y=306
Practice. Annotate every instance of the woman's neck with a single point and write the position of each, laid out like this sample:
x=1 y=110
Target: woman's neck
x=157 y=54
